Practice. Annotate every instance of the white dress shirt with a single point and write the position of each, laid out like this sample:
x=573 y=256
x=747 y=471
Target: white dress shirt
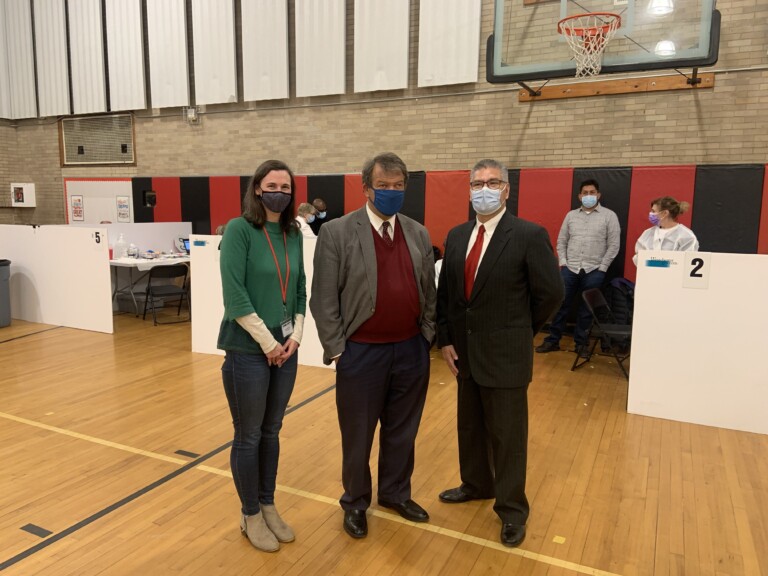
x=376 y=222
x=490 y=228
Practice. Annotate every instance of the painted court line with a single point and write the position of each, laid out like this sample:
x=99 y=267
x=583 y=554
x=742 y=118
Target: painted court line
x=542 y=558
x=93 y=439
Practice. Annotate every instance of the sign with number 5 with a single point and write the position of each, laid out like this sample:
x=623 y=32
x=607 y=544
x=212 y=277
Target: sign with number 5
x=696 y=270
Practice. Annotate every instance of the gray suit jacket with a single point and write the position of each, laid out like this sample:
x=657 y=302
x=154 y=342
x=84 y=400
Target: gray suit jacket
x=517 y=287
x=345 y=278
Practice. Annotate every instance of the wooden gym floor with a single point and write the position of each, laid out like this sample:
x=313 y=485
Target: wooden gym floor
x=115 y=460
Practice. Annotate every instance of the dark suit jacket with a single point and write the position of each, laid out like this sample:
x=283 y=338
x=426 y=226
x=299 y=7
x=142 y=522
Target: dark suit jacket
x=517 y=287
x=345 y=278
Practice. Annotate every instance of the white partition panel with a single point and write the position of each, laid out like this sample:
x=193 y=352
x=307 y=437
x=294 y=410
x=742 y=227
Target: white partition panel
x=155 y=236
x=5 y=83
x=167 y=31
x=59 y=275
x=20 y=58
x=381 y=44
x=208 y=304
x=213 y=30
x=449 y=41
x=125 y=52
x=51 y=52
x=87 y=57
x=311 y=351
x=320 y=47
x=698 y=339
x=265 y=49
x=96 y=200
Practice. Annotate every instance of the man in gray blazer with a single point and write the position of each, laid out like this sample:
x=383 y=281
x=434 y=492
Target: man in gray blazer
x=373 y=300
x=498 y=285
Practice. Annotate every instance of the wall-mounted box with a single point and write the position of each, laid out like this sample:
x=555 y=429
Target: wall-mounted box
x=23 y=195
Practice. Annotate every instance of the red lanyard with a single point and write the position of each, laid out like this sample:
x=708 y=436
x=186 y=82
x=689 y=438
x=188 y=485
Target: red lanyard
x=283 y=287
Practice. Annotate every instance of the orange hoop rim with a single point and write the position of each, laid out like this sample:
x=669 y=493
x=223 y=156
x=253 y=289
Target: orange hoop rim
x=589 y=31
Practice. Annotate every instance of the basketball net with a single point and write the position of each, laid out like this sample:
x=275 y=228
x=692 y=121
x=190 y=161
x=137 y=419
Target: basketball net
x=587 y=36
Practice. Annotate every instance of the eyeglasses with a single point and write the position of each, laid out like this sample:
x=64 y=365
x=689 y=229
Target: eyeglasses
x=493 y=184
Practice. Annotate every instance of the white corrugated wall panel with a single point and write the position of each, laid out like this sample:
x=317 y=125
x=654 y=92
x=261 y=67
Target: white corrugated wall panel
x=167 y=31
x=265 y=49
x=320 y=47
x=5 y=84
x=51 y=53
x=87 y=57
x=125 y=54
x=20 y=58
x=449 y=41
x=213 y=33
x=381 y=44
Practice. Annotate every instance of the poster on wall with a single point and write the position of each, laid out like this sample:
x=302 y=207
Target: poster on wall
x=123 y=209
x=23 y=195
x=78 y=211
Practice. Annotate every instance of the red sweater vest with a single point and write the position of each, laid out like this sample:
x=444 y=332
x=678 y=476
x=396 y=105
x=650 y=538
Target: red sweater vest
x=396 y=316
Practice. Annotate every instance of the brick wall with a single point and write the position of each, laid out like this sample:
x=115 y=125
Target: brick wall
x=441 y=128
x=7 y=159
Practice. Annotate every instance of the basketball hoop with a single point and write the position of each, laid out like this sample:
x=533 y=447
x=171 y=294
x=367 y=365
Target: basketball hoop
x=588 y=35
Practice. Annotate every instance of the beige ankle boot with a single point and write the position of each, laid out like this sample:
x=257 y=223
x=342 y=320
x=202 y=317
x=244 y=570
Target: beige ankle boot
x=280 y=529
x=257 y=532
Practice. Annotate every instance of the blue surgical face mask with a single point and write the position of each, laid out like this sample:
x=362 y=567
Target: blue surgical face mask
x=486 y=201
x=321 y=215
x=589 y=201
x=387 y=201
x=310 y=218
x=654 y=218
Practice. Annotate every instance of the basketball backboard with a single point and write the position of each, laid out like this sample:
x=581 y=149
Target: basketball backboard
x=654 y=35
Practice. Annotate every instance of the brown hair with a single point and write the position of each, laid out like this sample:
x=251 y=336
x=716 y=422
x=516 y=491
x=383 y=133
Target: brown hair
x=674 y=207
x=389 y=162
x=253 y=207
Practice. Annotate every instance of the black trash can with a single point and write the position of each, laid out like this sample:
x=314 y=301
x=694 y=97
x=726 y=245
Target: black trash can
x=5 y=293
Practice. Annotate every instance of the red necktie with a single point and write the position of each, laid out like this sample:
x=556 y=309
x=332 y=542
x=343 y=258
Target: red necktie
x=385 y=233
x=473 y=259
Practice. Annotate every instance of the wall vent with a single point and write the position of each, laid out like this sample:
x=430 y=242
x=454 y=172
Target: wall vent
x=97 y=140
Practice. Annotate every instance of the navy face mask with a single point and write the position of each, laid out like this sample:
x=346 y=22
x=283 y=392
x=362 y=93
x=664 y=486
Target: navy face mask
x=388 y=202
x=275 y=201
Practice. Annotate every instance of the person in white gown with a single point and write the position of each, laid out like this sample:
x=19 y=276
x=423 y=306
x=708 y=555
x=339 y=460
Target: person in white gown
x=305 y=215
x=666 y=233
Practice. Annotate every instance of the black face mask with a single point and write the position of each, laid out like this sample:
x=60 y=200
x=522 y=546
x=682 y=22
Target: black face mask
x=275 y=201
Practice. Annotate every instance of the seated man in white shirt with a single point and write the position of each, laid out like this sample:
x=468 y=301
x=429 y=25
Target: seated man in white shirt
x=305 y=215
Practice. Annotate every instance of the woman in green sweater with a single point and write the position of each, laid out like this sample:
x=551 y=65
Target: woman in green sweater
x=265 y=299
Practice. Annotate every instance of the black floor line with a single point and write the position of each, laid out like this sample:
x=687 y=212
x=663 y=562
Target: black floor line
x=131 y=497
x=30 y=334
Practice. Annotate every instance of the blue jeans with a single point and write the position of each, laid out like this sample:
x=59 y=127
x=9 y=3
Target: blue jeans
x=258 y=395
x=575 y=284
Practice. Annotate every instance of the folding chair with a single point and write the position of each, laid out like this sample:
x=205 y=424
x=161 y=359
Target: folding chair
x=615 y=337
x=165 y=290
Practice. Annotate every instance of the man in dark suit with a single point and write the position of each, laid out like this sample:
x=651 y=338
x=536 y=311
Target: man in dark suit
x=498 y=285
x=373 y=300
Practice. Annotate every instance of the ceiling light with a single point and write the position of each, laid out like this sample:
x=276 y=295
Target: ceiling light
x=665 y=48
x=660 y=7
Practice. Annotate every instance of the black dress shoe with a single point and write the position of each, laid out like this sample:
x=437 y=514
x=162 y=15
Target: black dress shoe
x=547 y=347
x=457 y=496
x=512 y=535
x=408 y=510
x=355 y=523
